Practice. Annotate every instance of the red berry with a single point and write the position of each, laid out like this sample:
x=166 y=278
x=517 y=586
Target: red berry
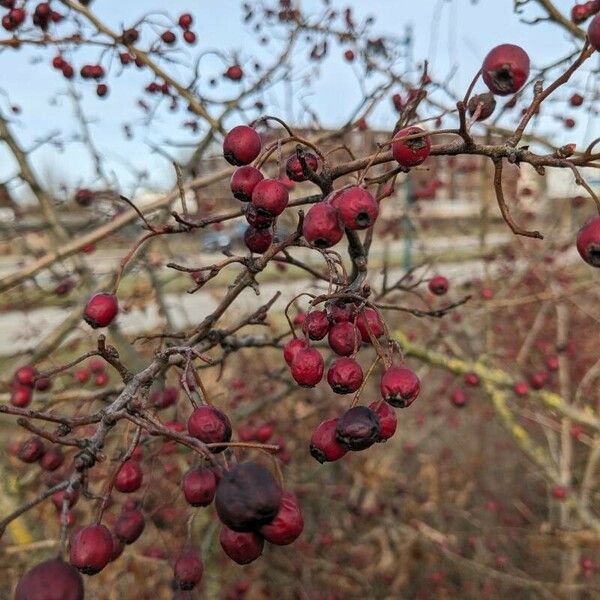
x=471 y=379
x=287 y=525
x=101 y=379
x=258 y=240
x=593 y=32
x=53 y=458
x=307 y=367
x=199 y=486
x=50 y=580
x=358 y=428
x=293 y=167
x=130 y=36
x=341 y=311
x=185 y=21
x=322 y=227
x=412 y=152
x=96 y=365
x=291 y=349
x=31 y=450
x=458 y=398
x=316 y=324
x=189 y=37
x=130 y=525
x=400 y=386
x=356 y=207
x=521 y=388
x=538 y=380
x=188 y=569
x=241 y=547
x=368 y=319
x=58 y=62
x=438 y=285
x=165 y=397
x=345 y=375
x=25 y=375
x=21 y=395
x=211 y=426
x=91 y=549
x=168 y=37
x=247 y=497
x=243 y=182
x=505 y=69
x=349 y=55
x=559 y=492
x=576 y=100
x=129 y=478
x=270 y=197
x=241 y=145
x=588 y=241
x=324 y=446
x=100 y=310
x=234 y=72
x=101 y=90
x=552 y=363
x=344 y=338
x=387 y=419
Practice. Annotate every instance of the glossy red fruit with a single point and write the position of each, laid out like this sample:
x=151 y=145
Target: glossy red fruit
x=505 y=69
x=59 y=497
x=50 y=580
x=185 y=21
x=31 y=450
x=349 y=55
x=247 y=497
x=270 y=197
x=241 y=547
x=100 y=310
x=21 y=395
x=129 y=478
x=400 y=386
x=188 y=569
x=101 y=379
x=241 y=145
x=358 y=428
x=293 y=166
x=257 y=219
x=345 y=375
x=485 y=103
x=43 y=383
x=243 y=182
x=307 y=367
x=130 y=36
x=258 y=240
x=316 y=324
x=292 y=347
x=369 y=319
x=53 y=459
x=91 y=549
x=458 y=398
x=287 y=525
x=324 y=446
x=322 y=227
x=130 y=525
x=344 y=338
x=411 y=152
x=438 y=285
x=199 y=486
x=593 y=32
x=211 y=426
x=234 y=72
x=25 y=375
x=588 y=242
x=101 y=90
x=356 y=207
x=96 y=365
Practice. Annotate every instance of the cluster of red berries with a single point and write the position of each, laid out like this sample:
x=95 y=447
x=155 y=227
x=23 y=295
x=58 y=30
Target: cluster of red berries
x=42 y=16
x=582 y=12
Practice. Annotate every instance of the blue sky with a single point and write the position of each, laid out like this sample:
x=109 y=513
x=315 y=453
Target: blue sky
x=454 y=35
